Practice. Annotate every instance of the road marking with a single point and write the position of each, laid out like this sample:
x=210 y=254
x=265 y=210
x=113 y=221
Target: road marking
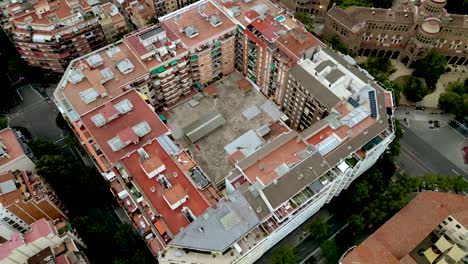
x=456 y=172
x=417 y=160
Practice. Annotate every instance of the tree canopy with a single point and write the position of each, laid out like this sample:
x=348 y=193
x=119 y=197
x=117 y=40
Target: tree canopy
x=379 y=67
x=415 y=90
x=3 y=123
x=336 y=44
x=318 y=228
x=284 y=255
x=330 y=251
x=306 y=20
x=430 y=68
x=455 y=99
x=90 y=203
x=365 y=3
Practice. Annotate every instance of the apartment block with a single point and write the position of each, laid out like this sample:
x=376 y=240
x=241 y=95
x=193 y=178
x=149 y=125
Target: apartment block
x=166 y=59
x=25 y=198
x=440 y=236
x=43 y=243
x=49 y=34
x=290 y=177
x=111 y=20
x=209 y=35
x=12 y=154
x=407 y=32
x=276 y=177
x=269 y=43
x=140 y=12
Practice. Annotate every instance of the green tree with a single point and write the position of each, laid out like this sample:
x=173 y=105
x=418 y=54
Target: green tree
x=336 y=44
x=455 y=99
x=318 y=228
x=3 y=123
x=379 y=67
x=394 y=149
x=306 y=20
x=41 y=147
x=430 y=68
x=330 y=251
x=284 y=255
x=415 y=90
x=357 y=223
x=153 y=20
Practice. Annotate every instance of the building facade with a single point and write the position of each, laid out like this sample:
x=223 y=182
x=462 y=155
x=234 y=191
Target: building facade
x=406 y=33
x=316 y=8
x=49 y=34
x=43 y=243
x=112 y=22
x=112 y=98
x=12 y=154
x=25 y=198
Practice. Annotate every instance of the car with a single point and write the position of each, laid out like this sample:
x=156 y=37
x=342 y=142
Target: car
x=431 y=121
x=418 y=107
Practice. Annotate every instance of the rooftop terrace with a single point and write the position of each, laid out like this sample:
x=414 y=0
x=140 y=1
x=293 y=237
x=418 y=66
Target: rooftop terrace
x=10 y=147
x=209 y=152
x=169 y=187
x=100 y=76
x=197 y=23
x=123 y=125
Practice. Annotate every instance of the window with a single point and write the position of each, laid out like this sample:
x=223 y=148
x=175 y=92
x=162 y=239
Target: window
x=444 y=222
x=382 y=37
x=440 y=43
x=396 y=39
x=450 y=219
x=367 y=37
x=458 y=226
x=455 y=44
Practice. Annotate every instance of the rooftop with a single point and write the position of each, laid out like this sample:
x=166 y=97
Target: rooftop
x=155 y=189
x=197 y=23
x=100 y=76
x=250 y=9
x=158 y=42
x=10 y=147
x=393 y=242
x=133 y=124
x=220 y=226
x=209 y=152
x=44 y=13
x=40 y=228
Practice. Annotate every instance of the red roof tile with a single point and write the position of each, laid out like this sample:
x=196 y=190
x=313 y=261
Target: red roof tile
x=393 y=242
x=173 y=219
x=121 y=126
x=13 y=147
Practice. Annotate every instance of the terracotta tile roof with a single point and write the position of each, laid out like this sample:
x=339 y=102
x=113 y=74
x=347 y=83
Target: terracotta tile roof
x=175 y=194
x=174 y=219
x=121 y=126
x=152 y=163
x=393 y=242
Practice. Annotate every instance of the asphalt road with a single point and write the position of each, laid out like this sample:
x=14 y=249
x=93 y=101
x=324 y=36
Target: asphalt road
x=419 y=158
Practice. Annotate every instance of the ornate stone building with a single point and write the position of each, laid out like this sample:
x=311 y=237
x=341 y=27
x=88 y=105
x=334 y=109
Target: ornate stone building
x=406 y=33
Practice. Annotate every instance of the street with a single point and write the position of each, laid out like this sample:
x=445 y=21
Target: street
x=37 y=114
x=419 y=158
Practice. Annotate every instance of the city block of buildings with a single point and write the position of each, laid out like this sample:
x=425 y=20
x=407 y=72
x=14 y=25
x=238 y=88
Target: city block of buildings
x=406 y=33
x=33 y=224
x=49 y=34
x=224 y=127
x=440 y=237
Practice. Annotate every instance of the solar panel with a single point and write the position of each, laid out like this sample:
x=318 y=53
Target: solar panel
x=373 y=104
x=353 y=102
